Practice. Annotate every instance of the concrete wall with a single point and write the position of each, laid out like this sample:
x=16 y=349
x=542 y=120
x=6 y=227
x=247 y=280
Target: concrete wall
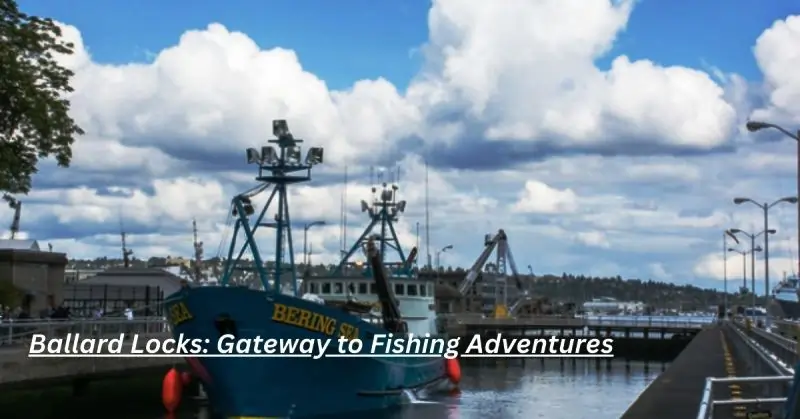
x=37 y=273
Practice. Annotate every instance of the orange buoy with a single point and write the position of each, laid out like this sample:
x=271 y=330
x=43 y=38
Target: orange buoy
x=453 y=370
x=186 y=378
x=171 y=390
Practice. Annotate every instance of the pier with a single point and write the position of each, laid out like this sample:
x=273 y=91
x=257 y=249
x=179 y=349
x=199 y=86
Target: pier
x=721 y=369
x=17 y=370
x=636 y=338
x=731 y=369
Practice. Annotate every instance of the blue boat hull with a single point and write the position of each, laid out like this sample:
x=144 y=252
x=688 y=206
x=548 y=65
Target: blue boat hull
x=265 y=387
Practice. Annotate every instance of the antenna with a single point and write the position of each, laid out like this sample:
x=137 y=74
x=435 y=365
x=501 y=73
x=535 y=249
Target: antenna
x=198 y=253
x=17 y=206
x=427 y=219
x=126 y=253
x=344 y=211
x=341 y=220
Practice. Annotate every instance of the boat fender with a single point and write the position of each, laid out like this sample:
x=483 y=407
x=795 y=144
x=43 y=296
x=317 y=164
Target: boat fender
x=225 y=325
x=171 y=390
x=453 y=370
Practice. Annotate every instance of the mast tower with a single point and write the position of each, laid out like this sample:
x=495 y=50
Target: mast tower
x=277 y=169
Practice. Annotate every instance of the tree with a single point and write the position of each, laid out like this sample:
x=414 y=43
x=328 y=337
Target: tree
x=10 y=295
x=34 y=113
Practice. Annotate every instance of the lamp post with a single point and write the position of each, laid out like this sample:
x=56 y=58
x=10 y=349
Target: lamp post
x=725 y=250
x=439 y=253
x=305 y=240
x=765 y=207
x=753 y=238
x=744 y=254
x=754 y=126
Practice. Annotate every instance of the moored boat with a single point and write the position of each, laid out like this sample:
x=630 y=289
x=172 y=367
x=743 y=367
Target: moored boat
x=297 y=387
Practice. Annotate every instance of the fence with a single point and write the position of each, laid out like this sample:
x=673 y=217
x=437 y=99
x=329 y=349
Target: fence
x=84 y=300
x=15 y=333
x=769 y=378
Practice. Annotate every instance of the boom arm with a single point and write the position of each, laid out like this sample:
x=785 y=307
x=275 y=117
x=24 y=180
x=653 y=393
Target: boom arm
x=392 y=320
x=500 y=243
x=474 y=270
x=512 y=265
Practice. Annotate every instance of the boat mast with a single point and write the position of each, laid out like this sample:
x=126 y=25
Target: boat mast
x=276 y=169
x=383 y=212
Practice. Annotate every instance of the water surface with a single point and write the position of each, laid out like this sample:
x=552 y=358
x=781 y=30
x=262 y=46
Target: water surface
x=507 y=389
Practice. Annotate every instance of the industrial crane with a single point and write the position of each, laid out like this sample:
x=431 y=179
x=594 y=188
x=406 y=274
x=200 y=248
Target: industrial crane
x=499 y=245
x=17 y=206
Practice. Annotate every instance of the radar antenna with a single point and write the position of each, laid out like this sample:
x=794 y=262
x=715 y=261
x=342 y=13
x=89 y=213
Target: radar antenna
x=276 y=169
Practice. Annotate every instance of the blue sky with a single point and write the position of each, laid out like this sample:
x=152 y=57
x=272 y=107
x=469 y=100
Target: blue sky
x=343 y=42
x=604 y=136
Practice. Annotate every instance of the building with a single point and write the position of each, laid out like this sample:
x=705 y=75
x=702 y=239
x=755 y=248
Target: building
x=37 y=274
x=75 y=275
x=165 y=281
x=608 y=305
x=112 y=290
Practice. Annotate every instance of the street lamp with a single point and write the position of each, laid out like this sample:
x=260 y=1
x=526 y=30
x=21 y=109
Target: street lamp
x=765 y=207
x=438 y=254
x=753 y=248
x=725 y=250
x=744 y=254
x=754 y=126
x=305 y=239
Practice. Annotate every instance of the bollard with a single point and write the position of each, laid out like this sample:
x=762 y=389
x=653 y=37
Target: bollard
x=748 y=324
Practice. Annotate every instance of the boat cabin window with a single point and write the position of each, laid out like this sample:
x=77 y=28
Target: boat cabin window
x=312 y=288
x=362 y=288
x=338 y=288
x=399 y=289
x=326 y=288
x=423 y=290
x=373 y=289
x=411 y=289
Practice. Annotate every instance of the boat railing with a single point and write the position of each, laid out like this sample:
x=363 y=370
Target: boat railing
x=20 y=332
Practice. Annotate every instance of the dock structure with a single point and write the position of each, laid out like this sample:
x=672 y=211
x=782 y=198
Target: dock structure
x=617 y=326
x=18 y=370
x=727 y=369
x=730 y=370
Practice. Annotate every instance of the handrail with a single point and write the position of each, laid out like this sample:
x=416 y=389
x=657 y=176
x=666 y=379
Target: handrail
x=707 y=403
x=627 y=321
x=17 y=332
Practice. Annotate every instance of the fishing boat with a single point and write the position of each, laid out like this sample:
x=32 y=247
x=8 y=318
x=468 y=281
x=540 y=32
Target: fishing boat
x=352 y=281
x=296 y=387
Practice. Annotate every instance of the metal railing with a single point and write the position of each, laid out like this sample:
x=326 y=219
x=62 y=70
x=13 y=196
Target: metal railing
x=20 y=332
x=676 y=322
x=784 y=349
x=708 y=404
x=771 y=380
